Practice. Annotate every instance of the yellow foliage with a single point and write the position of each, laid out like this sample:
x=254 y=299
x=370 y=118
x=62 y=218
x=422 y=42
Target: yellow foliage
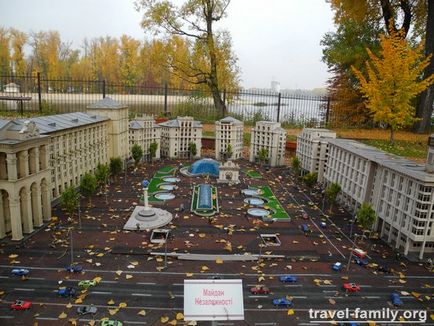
x=393 y=81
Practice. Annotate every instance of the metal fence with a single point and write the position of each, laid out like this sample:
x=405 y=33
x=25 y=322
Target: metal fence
x=60 y=96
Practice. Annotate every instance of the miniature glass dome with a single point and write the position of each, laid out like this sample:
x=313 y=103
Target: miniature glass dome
x=205 y=166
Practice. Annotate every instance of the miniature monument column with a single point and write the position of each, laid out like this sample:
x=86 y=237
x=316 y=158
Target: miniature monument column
x=145 y=184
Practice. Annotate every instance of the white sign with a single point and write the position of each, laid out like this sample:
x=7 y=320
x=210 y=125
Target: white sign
x=213 y=300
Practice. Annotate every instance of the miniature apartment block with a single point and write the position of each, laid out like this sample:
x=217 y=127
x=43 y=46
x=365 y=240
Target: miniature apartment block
x=312 y=150
x=229 y=131
x=176 y=136
x=144 y=131
x=271 y=137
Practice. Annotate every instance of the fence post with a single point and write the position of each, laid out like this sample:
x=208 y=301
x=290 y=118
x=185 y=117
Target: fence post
x=328 y=110
x=165 y=99
x=38 y=78
x=103 y=88
x=278 y=107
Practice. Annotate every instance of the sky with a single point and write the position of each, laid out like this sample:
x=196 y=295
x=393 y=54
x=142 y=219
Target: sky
x=273 y=39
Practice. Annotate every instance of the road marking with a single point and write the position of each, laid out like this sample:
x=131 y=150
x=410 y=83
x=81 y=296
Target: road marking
x=47 y=318
x=298 y=296
x=111 y=282
x=173 y=273
x=264 y=324
x=4 y=276
x=371 y=297
x=327 y=285
x=141 y=294
x=330 y=297
x=395 y=286
x=292 y=285
x=328 y=291
x=366 y=286
x=100 y=292
x=258 y=296
x=144 y=283
x=7 y=317
x=23 y=289
x=37 y=278
x=178 y=284
x=125 y=321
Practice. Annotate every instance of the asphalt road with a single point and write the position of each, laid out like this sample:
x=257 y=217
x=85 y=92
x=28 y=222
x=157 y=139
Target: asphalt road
x=143 y=292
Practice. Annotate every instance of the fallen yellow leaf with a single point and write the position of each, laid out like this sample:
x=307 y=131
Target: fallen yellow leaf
x=179 y=316
x=142 y=313
x=110 y=302
x=62 y=315
x=69 y=305
x=219 y=261
x=189 y=274
x=204 y=268
x=113 y=311
x=164 y=319
x=290 y=312
x=122 y=305
x=173 y=322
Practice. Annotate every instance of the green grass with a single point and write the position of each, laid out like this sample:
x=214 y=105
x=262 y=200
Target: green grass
x=273 y=203
x=253 y=174
x=157 y=180
x=404 y=148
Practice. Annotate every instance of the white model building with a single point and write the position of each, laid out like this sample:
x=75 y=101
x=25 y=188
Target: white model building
x=272 y=137
x=229 y=131
x=117 y=125
x=400 y=191
x=41 y=157
x=229 y=172
x=177 y=134
x=312 y=150
x=144 y=131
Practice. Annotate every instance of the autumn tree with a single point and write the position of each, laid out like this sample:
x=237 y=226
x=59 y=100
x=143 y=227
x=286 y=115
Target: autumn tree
x=5 y=55
x=136 y=154
x=196 y=20
x=296 y=165
x=331 y=193
x=19 y=40
x=129 y=60
x=414 y=19
x=88 y=185
x=393 y=81
x=69 y=200
x=366 y=216
x=310 y=179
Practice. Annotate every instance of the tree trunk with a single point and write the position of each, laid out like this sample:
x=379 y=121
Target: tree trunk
x=212 y=81
x=392 y=136
x=424 y=107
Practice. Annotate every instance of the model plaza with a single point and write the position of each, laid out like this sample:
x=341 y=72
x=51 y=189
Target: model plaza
x=189 y=227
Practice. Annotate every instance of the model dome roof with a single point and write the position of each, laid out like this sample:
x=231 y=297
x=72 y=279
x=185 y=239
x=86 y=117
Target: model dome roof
x=205 y=166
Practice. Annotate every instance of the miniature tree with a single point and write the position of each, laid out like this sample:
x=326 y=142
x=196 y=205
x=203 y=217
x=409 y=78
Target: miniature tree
x=192 y=149
x=102 y=174
x=332 y=193
x=137 y=154
x=115 y=166
x=69 y=200
x=153 y=149
x=296 y=165
x=263 y=155
x=88 y=186
x=366 y=216
x=310 y=179
x=229 y=152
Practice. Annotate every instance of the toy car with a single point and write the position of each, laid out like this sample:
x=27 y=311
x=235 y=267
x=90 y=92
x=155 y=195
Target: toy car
x=305 y=228
x=359 y=253
x=260 y=290
x=288 y=278
x=361 y=261
x=323 y=225
x=337 y=267
x=305 y=216
x=395 y=298
x=20 y=272
x=84 y=310
x=86 y=284
x=21 y=305
x=351 y=287
x=109 y=322
x=282 y=302
x=67 y=292
x=74 y=268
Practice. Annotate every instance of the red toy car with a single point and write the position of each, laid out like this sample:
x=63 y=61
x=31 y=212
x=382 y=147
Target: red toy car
x=21 y=305
x=351 y=287
x=260 y=290
x=305 y=216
